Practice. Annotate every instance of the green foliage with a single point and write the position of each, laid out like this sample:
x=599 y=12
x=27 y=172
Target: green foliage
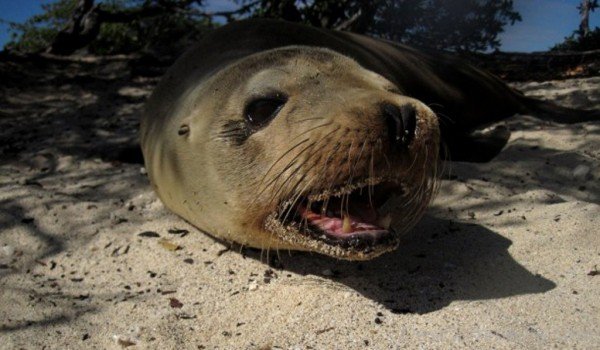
x=165 y=32
x=117 y=37
x=39 y=31
x=461 y=25
x=577 y=42
x=455 y=25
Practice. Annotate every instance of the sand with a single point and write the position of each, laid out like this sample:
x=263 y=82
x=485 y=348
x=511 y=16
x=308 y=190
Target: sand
x=506 y=257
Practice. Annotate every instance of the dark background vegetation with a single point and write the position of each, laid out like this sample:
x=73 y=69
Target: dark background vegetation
x=167 y=26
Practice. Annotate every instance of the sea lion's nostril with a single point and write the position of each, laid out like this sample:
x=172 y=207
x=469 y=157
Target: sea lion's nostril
x=409 y=119
x=401 y=123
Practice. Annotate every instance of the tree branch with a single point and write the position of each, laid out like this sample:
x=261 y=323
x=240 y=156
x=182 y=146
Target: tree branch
x=87 y=19
x=347 y=24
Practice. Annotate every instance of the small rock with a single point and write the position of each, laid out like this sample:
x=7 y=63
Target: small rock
x=328 y=273
x=124 y=341
x=581 y=172
x=115 y=219
x=252 y=286
x=65 y=162
x=8 y=250
x=42 y=162
x=174 y=303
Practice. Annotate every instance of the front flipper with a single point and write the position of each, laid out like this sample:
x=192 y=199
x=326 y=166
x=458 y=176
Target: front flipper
x=477 y=147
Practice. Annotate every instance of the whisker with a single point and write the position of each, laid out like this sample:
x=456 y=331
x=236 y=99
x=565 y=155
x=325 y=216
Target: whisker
x=296 y=198
x=301 y=164
x=281 y=157
x=290 y=149
x=307 y=119
x=371 y=175
x=285 y=168
x=445 y=117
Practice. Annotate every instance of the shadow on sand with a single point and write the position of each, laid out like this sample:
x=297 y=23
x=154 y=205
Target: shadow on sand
x=439 y=262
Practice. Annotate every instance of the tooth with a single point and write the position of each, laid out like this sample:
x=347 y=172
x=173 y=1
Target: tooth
x=346 y=225
x=385 y=221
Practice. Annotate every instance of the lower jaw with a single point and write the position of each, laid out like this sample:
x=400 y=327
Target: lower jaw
x=353 y=247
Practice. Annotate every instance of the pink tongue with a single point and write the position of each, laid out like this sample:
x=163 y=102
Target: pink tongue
x=334 y=225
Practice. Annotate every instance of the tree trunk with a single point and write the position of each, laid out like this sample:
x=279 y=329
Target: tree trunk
x=88 y=17
x=82 y=29
x=584 y=11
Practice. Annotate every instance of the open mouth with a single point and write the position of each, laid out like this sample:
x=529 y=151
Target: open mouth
x=354 y=217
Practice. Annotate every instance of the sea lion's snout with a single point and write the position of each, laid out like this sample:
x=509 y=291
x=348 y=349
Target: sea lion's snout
x=351 y=183
x=401 y=122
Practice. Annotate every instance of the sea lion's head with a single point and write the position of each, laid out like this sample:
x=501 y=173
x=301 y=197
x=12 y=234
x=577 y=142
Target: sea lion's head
x=297 y=148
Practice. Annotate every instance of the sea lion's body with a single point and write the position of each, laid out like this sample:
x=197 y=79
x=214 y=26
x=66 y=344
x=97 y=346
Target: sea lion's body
x=229 y=177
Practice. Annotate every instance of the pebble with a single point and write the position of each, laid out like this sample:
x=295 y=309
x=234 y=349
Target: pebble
x=252 y=286
x=8 y=250
x=581 y=172
x=327 y=273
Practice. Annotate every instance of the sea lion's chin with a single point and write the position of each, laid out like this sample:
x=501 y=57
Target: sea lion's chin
x=352 y=221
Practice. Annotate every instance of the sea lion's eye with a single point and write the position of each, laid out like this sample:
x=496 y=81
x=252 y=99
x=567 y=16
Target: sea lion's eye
x=260 y=111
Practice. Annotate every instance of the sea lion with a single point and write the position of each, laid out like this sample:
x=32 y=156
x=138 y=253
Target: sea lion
x=282 y=136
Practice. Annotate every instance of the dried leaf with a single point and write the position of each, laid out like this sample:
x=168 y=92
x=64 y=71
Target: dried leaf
x=174 y=303
x=125 y=342
x=149 y=234
x=178 y=231
x=169 y=245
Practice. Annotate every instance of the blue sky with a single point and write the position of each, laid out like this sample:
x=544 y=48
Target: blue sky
x=545 y=22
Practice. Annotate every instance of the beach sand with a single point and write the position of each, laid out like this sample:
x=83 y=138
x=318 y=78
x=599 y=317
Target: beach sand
x=508 y=255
